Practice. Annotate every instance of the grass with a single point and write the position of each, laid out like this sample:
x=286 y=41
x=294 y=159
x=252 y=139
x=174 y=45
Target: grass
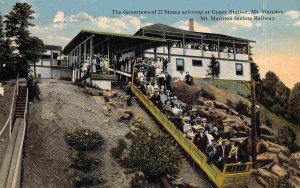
x=223 y=94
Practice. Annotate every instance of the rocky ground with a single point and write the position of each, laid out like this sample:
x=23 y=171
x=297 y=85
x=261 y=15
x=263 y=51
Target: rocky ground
x=65 y=107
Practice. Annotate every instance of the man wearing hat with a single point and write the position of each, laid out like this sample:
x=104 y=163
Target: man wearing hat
x=200 y=139
x=215 y=133
x=212 y=152
x=168 y=80
x=155 y=99
x=188 y=78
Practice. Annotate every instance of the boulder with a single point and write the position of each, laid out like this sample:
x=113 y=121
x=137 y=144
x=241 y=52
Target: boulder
x=296 y=156
x=291 y=170
x=239 y=127
x=283 y=158
x=126 y=115
x=264 y=129
x=295 y=180
x=233 y=112
x=266 y=173
x=270 y=138
x=204 y=102
x=261 y=146
x=92 y=92
x=278 y=148
x=267 y=157
x=220 y=105
x=279 y=170
x=262 y=181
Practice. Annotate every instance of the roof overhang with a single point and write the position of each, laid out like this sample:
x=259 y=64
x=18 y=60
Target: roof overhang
x=117 y=41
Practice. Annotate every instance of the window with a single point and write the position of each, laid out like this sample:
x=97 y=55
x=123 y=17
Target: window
x=55 y=55
x=239 y=69
x=46 y=56
x=197 y=63
x=180 y=64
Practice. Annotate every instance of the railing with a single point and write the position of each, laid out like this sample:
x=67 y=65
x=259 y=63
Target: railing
x=10 y=171
x=10 y=118
x=228 y=177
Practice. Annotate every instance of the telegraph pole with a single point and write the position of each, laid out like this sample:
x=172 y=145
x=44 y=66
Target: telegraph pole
x=253 y=122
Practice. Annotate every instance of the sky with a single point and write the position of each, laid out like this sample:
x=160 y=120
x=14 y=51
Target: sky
x=277 y=42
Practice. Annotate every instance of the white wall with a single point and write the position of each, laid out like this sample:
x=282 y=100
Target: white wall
x=56 y=72
x=227 y=68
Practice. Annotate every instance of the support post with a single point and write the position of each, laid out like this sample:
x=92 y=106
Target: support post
x=91 y=58
x=253 y=123
x=84 y=51
x=234 y=50
x=202 y=51
x=183 y=44
x=169 y=54
x=218 y=48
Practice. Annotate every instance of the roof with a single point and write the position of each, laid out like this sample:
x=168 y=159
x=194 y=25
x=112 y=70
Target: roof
x=117 y=41
x=52 y=47
x=168 y=29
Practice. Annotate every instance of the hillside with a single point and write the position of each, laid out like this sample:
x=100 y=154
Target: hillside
x=224 y=90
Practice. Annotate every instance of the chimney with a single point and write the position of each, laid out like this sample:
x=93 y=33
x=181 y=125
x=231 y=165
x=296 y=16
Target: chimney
x=191 y=24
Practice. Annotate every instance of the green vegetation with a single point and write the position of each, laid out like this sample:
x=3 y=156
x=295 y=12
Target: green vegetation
x=242 y=108
x=287 y=137
x=154 y=154
x=85 y=142
x=207 y=94
x=17 y=37
x=213 y=70
x=84 y=162
x=280 y=182
x=83 y=139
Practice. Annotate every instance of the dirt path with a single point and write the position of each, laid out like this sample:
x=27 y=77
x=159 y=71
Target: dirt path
x=63 y=107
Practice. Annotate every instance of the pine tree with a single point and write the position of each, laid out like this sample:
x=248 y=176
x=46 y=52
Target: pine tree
x=294 y=104
x=254 y=67
x=213 y=68
x=18 y=22
x=2 y=40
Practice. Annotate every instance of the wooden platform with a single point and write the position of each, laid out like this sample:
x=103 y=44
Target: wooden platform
x=109 y=77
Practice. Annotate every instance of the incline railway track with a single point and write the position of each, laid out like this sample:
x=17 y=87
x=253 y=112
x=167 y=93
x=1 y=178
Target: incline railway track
x=121 y=85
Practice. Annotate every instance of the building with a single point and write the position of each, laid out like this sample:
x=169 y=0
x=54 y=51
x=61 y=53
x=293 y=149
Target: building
x=192 y=52
x=186 y=51
x=52 y=64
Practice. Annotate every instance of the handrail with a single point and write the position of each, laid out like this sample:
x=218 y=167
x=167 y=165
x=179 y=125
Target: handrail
x=16 y=172
x=13 y=104
x=211 y=170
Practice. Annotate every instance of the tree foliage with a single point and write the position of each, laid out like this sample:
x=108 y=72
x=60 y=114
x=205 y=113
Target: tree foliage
x=213 y=70
x=26 y=48
x=155 y=155
x=273 y=93
x=294 y=103
x=287 y=137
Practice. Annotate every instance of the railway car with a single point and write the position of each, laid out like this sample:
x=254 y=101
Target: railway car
x=232 y=175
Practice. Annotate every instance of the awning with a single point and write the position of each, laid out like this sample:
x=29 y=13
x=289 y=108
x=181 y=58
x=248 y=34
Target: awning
x=117 y=41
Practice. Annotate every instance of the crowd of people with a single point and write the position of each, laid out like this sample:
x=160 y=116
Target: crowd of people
x=219 y=146
x=211 y=47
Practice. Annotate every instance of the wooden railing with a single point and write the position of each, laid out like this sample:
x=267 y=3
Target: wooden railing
x=10 y=171
x=8 y=125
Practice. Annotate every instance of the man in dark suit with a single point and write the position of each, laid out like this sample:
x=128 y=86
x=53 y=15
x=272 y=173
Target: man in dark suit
x=201 y=140
x=212 y=152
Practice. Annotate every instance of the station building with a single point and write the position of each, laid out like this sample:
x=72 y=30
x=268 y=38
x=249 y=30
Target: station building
x=52 y=64
x=185 y=50
x=193 y=51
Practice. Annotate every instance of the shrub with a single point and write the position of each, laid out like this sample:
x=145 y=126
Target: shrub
x=242 y=108
x=207 y=94
x=79 y=84
x=84 y=162
x=230 y=103
x=287 y=137
x=67 y=78
x=83 y=139
x=186 y=93
x=280 y=182
x=89 y=179
x=155 y=155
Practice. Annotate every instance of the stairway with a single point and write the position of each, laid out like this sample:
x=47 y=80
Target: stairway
x=21 y=102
